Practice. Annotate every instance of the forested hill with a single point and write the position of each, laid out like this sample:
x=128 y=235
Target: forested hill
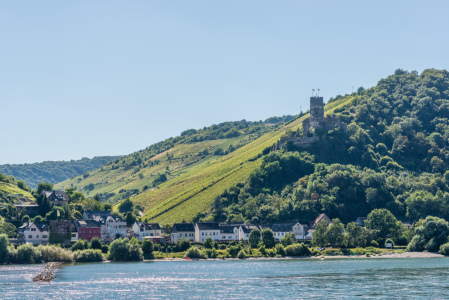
x=394 y=155
x=54 y=171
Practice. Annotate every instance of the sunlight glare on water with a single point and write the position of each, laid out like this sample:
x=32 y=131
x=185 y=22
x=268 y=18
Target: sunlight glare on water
x=231 y=279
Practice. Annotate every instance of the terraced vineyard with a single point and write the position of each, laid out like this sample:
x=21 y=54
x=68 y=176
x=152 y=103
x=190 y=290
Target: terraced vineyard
x=141 y=171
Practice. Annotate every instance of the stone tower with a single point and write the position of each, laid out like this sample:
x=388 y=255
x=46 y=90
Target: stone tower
x=316 y=111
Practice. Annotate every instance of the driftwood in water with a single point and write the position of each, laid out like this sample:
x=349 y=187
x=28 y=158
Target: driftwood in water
x=47 y=274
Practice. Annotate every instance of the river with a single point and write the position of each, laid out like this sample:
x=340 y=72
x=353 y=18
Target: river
x=232 y=279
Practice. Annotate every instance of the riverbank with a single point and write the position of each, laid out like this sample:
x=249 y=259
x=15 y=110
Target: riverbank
x=382 y=255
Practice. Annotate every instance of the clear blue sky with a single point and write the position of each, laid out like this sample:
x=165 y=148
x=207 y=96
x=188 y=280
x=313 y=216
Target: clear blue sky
x=89 y=78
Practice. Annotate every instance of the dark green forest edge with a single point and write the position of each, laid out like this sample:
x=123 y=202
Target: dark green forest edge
x=54 y=171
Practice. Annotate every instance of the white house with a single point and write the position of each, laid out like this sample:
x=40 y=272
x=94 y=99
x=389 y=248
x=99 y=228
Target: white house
x=280 y=230
x=111 y=227
x=245 y=230
x=142 y=230
x=35 y=233
x=205 y=230
x=182 y=231
x=229 y=232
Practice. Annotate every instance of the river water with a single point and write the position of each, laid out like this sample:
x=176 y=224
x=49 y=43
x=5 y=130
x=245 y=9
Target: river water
x=231 y=279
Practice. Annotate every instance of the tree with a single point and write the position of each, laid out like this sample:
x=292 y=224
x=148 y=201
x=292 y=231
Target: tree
x=42 y=186
x=107 y=206
x=334 y=233
x=430 y=235
x=122 y=250
x=288 y=239
x=355 y=236
x=4 y=242
x=95 y=243
x=91 y=204
x=208 y=243
x=130 y=219
x=183 y=245
x=383 y=224
x=254 y=238
x=319 y=234
x=125 y=206
x=268 y=238
x=7 y=228
x=147 y=249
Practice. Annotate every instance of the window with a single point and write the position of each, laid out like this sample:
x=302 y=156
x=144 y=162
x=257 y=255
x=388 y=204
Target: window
x=214 y=233
x=37 y=236
x=45 y=236
x=30 y=236
x=202 y=233
x=33 y=229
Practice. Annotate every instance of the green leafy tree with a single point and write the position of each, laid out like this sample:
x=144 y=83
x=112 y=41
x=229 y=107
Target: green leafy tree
x=208 y=243
x=147 y=249
x=125 y=206
x=355 y=236
x=8 y=228
x=383 y=224
x=288 y=239
x=254 y=238
x=122 y=250
x=42 y=186
x=334 y=232
x=4 y=242
x=319 y=234
x=268 y=238
x=95 y=243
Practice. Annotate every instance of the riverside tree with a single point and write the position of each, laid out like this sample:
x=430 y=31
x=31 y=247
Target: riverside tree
x=268 y=238
x=254 y=238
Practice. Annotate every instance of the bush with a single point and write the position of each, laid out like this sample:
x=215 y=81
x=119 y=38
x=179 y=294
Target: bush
x=53 y=253
x=444 y=249
x=88 y=255
x=233 y=250
x=332 y=252
x=105 y=249
x=417 y=244
x=280 y=250
x=241 y=254
x=183 y=245
x=123 y=250
x=159 y=255
x=95 y=243
x=297 y=250
x=194 y=252
x=262 y=250
x=27 y=254
x=80 y=245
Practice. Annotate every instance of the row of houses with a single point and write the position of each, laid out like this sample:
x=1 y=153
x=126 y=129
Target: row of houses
x=235 y=232
x=107 y=227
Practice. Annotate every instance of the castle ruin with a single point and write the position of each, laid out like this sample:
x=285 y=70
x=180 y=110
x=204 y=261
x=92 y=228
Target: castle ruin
x=317 y=121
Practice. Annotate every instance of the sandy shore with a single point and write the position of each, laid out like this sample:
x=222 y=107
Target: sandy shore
x=383 y=255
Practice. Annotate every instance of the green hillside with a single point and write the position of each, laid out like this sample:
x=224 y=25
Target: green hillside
x=54 y=171
x=144 y=170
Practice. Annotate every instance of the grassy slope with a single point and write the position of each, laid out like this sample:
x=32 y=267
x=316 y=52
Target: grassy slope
x=193 y=192
x=109 y=180
x=13 y=189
